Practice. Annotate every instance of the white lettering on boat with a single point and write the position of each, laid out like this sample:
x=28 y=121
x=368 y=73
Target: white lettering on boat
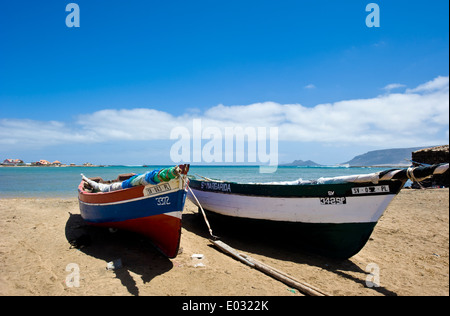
x=371 y=189
x=216 y=186
x=164 y=200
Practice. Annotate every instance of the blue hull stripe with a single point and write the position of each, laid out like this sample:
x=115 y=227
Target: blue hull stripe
x=166 y=203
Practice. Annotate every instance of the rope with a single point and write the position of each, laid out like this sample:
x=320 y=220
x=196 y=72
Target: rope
x=204 y=215
x=390 y=175
x=412 y=177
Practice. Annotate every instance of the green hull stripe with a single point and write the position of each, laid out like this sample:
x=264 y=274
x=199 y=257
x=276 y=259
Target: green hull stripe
x=268 y=190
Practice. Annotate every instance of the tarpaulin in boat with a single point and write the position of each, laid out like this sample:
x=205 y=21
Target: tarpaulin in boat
x=151 y=177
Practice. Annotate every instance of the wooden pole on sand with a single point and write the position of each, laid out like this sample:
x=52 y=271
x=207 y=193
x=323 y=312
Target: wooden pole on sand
x=277 y=274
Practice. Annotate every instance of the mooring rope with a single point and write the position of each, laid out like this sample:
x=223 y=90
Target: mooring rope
x=412 y=177
x=434 y=170
x=204 y=215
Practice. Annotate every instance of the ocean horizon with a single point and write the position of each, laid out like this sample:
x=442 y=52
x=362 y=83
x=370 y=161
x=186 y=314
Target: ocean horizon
x=62 y=182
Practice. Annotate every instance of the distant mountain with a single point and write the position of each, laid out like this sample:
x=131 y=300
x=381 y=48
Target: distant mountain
x=393 y=157
x=301 y=163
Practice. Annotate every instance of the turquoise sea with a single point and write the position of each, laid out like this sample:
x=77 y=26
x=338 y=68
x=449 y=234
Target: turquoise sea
x=62 y=182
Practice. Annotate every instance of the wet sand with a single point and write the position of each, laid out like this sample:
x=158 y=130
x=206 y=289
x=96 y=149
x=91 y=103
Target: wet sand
x=409 y=248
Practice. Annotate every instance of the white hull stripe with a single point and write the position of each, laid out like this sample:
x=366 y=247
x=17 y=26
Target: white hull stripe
x=357 y=209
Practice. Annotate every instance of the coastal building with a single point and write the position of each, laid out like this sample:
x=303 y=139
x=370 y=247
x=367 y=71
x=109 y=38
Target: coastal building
x=12 y=162
x=56 y=163
x=43 y=162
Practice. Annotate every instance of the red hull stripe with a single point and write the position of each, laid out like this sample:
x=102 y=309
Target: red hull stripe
x=110 y=197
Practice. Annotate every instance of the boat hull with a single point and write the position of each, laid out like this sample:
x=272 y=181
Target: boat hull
x=154 y=211
x=335 y=220
x=340 y=241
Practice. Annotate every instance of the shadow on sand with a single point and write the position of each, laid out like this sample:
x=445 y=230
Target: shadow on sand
x=266 y=241
x=137 y=254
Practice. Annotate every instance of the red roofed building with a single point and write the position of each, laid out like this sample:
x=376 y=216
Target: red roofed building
x=43 y=162
x=12 y=162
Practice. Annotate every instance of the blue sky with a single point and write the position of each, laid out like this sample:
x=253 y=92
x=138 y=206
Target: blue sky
x=182 y=60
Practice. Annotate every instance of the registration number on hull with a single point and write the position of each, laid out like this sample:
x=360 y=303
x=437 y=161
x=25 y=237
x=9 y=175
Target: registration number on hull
x=371 y=189
x=155 y=189
x=333 y=200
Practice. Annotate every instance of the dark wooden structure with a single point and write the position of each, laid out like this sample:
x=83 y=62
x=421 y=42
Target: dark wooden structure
x=433 y=155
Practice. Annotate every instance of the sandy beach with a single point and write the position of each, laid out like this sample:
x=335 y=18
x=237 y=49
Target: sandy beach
x=409 y=247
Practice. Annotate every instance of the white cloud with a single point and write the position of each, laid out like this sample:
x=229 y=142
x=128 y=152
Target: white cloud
x=392 y=119
x=310 y=86
x=438 y=84
x=27 y=132
x=418 y=116
x=135 y=124
x=393 y=86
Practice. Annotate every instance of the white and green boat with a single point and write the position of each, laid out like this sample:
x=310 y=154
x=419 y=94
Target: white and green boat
x=332 y=216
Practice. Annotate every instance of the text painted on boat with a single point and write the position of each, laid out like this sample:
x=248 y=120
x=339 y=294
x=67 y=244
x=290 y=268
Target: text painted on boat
x=216 y=186
x=333 y=200
x=371 y=189
x=155 y=189
x=164 y=200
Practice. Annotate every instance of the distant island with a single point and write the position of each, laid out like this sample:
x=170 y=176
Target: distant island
x=301 y=163
x=382 y=157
